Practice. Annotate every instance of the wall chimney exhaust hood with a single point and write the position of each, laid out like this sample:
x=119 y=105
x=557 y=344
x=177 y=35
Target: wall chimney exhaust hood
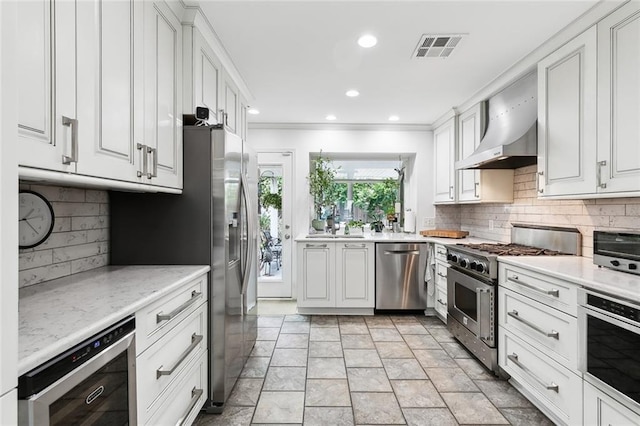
x=511 y=139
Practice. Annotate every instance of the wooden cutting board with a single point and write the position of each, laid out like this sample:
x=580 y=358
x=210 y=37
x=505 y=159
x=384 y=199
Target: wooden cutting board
x=444 y=233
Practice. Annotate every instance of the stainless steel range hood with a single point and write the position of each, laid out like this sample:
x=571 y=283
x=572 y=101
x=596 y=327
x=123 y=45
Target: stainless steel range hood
x=511 y=138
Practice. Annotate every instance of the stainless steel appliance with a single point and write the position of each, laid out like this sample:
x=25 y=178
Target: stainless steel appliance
x=610 y=337
x=92 y=383
x=399 y=276
x=214 y=222
x=472 y=282
x=617 y=250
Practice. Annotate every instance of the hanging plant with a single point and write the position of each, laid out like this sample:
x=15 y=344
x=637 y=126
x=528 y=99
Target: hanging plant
x=272 y=200
x=321 y=180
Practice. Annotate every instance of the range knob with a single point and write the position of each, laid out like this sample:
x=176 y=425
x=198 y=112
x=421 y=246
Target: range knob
x=454 y=258
x=481 y=267
x=464 y=262
x=633 y=266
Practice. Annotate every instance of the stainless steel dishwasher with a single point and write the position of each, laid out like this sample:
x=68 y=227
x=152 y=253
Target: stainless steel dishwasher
x=400 y=276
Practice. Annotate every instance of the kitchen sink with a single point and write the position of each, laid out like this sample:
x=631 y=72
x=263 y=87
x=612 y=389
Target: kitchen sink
x=334 y=236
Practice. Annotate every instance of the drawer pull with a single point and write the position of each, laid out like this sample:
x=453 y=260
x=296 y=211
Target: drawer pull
x=354 y=245
x=316 y=245
x=441 y=302
x=195 y=396
x=166 y=317
x=444 y=253
x=440 y=274
x=553 y=333
x=514 y=358
x=516 y=280
x=195 y=341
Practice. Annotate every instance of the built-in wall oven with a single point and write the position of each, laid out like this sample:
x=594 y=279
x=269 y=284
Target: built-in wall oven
x=610 y=344
x=91 y=384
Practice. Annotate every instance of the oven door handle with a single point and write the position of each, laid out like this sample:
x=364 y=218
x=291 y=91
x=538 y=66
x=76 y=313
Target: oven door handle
x=551 y=386
x=515 y=279
x=480 y=293
x=515 y=315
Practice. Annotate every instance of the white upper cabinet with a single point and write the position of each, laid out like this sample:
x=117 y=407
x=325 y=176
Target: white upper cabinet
x=444 y=138
x=202 y=75
x=163 y=95
x=588 y=109
x=231 y=104
x=619 y=100
x=109 y=101
x=477 y=186
x=567 y=118
x=46 y=122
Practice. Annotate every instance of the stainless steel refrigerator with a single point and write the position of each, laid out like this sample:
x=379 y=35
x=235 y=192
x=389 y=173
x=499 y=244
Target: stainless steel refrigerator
x=214 y=222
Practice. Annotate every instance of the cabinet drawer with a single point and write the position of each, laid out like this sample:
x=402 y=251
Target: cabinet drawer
x=602 y=410
x=557 y=388
x=441 y=302
x=441 y=252
x=551 y=291
x=184 y=400
x=158 y=318
x=548 y=329
x=441 y=274
x=165 y=361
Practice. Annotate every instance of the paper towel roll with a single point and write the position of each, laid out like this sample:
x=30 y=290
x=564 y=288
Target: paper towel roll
x=409 y=221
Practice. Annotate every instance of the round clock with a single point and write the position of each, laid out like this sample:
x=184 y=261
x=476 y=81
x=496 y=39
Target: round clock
x=35 y=219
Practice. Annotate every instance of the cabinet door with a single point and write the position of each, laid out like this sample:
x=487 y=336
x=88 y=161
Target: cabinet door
x=207 y=77
x=230 y=105
x=43 y=137
x=567 y=118
x=316 y=275
x=444 y=146
x=163 y=95
x=243 y=118
x=619 y=100
x=470 y=131
x=602 y=410
x=355 y=275
x=108 y=63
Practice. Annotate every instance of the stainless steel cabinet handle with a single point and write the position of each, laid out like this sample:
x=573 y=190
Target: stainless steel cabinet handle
x=195 y=341
x=552 y=292
x=441 y=302
x=475 y=190
x=166 y=317
x=411 y=252
x=143 y=149
x=451 y=192
x=540 y=190
x=552 y=333
x=73 y=124
x=195 y=396
x=514 y=358
x=154 y=167
x=442 y=252
x=601 y=164
x=440 y=274
x=355 y=245
x=316 y=245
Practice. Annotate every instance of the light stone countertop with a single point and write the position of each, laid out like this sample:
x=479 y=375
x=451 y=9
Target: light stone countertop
x=392 y=237
x=58 y=314
x=581 y=271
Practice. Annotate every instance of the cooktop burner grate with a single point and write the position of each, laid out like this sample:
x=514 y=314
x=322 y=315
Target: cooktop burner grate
x=512 y=249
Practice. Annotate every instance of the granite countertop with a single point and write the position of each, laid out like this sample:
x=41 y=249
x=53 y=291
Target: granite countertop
x=581 y=271
x=390 y=237
x=58 y=314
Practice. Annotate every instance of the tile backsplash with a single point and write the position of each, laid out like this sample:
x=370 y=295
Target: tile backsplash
x=80 y=238
x=585 y=215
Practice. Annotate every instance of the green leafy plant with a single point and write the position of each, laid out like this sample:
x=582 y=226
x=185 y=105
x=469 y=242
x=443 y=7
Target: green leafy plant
x=321 y=183
x=272 y=200
x=377 y=196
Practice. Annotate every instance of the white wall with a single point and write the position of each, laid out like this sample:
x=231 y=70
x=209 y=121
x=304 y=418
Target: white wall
x=418 y=180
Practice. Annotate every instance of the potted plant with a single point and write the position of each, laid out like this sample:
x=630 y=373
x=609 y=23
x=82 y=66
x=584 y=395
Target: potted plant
x=321 y=179
x=377 y=225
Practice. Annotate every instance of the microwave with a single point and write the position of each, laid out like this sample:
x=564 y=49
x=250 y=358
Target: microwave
x=619 y=250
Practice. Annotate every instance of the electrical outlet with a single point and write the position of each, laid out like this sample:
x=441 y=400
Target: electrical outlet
x=429 y=222
x=491 y=224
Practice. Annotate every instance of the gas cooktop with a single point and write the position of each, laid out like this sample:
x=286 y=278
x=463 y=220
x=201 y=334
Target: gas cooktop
x=501 y=249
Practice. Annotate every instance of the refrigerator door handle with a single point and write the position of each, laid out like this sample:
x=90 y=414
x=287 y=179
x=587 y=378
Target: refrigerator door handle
x=249 y=243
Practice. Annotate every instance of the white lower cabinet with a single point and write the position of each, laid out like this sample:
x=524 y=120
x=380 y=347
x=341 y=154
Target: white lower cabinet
x=440 y=296
x=9 y=408
x=441 y=302
x=336 y=275
x=602 y=410
x=171 y=361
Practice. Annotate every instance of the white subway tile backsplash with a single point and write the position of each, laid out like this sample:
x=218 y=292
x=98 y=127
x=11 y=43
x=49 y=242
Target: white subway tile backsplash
x=80 y=238
x=586 y=215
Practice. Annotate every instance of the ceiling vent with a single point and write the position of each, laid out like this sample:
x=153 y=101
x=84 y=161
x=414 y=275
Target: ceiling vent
x=436 y=45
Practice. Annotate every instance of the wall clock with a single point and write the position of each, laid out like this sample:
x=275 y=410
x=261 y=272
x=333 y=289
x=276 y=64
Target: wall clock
x=35 y=219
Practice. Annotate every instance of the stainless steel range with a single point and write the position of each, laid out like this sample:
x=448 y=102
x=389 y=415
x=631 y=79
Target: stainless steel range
x=472 y=282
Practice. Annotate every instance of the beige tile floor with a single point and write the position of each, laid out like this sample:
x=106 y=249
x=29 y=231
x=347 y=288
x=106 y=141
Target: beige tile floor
x=382 y=370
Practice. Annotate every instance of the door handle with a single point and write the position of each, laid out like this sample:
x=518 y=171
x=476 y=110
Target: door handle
x=143 y=150
x=154 y=167
x=287 y=236
x=411 y=252
x=73 y=124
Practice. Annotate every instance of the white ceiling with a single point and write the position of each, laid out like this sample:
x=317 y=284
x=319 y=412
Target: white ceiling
x=299 y=58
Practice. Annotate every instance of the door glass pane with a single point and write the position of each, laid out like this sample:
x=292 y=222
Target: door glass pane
x=270 y=214
x=465 y=301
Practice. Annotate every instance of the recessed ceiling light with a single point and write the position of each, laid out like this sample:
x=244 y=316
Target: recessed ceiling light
x=330 y=117
x=394 y=118
x=352 y=93
x=367 y=41
x=253 y=111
